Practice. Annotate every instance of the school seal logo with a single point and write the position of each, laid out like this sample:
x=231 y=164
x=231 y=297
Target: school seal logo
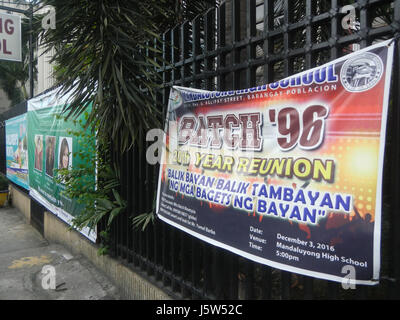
x=362 y=72
x=175 y=99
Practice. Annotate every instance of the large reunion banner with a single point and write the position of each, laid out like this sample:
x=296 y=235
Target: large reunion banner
x=17 y=151
x=52 y=146
x=287 y=174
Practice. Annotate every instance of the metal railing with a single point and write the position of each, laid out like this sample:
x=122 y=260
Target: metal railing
x=242 y=44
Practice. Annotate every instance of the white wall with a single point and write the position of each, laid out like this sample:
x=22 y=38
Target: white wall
x=45 y=79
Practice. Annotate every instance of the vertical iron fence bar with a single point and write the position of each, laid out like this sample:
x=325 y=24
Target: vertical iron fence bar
x=364 y=25
x=158 y=246
x=249 y=280
x=225 y=274
x=268 y=48
x=308 y=57
x=140 y=193
x=118 y=218
x=145 y=234
x=113 y=227
x=268 y=76
x=196 y=268
x=250 y=33
x=286 y=276
x=164 y=253
x=209 y=35
x=249 y=81
x=235 y=38
x=113 y=234
x=174 y=53
x=153 y=169
x=185 y=261
x=286 y=18
x=157 y=239
x=184 y=238
x=395 y=294
x=233 y=264
x=207 y=45
x=130 y=187
x=332 y=290
x=221 y=61
x=148 y=191
x=334 y=30
x=196 y=50
x=196 y=69
x=218 y=255
x=166 y=72
x=167 y=232
x=134 y=194
x=174 y=241
x=308 y=283
x=127 y=213
x=266 y=283
x=207 y=263
x=218 y=272
x=395 y=219
x=167 y=59
x=136 y=198
x=157 y=45
x=184 y=45
x=285 y=284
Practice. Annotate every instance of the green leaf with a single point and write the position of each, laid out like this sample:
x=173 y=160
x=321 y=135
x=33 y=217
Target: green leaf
x=113 y=214
x=143 y=220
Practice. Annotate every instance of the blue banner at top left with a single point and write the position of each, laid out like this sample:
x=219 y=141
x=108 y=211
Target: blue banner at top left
x=17 y=150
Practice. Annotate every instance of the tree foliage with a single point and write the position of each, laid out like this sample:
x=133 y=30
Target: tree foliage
x=105 y=53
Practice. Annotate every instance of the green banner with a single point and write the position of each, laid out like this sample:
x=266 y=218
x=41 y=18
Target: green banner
x=52 y=146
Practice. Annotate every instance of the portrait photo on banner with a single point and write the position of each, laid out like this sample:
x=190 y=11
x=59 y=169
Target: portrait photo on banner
x=50 y=148
x=39 y=152
x=64 y=153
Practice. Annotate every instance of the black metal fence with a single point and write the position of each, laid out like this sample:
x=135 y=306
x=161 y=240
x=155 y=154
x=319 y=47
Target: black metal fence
x=242 y=44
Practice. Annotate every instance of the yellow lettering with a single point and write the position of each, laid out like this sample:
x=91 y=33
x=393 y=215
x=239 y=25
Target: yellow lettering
x=323 y=171
x=243 y=163
x=208 y=161
x=228 y=162
x=199 y=158
x=302 y=168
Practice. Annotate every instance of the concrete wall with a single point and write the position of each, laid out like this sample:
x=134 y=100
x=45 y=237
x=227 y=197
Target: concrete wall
x=45 y=78
x=22 y=202
x=131 y=285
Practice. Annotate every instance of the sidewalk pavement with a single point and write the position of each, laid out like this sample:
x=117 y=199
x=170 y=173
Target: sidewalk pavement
x=31 y=268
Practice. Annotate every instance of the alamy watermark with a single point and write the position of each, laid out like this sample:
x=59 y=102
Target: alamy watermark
x=49 y=277
x=49 y=20
x=349 y=21
x=349 y=280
